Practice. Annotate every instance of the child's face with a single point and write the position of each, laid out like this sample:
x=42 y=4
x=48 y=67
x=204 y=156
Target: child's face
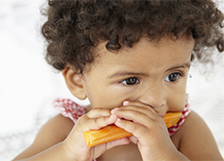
x=149 y=72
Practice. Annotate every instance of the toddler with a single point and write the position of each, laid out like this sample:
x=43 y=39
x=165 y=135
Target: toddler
x=131 y=59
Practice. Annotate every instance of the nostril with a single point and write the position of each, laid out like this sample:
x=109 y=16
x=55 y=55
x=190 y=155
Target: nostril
x=161 y=110
x=158 y=107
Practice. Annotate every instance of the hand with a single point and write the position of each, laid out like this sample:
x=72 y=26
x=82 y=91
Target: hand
x=149 y=130
x=93 y=120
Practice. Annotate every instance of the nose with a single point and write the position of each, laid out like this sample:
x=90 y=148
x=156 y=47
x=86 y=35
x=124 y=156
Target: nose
x=155 y=97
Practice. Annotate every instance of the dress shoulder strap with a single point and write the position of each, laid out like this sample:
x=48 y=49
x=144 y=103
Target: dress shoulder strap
x=176 y=127
x=69 y=108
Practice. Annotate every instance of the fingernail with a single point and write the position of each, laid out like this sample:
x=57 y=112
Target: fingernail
x=118 y=122
x=111 y=117
x=125 y=103
x=114 y=110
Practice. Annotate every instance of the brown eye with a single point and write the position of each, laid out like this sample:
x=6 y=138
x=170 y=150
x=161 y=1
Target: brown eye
x=130 y=81
x=172 y=77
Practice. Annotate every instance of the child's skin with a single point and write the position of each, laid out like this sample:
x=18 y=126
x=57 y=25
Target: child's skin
x=133 y=88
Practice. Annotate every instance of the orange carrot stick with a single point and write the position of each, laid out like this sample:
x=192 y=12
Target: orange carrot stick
x=171 y=118
x=112 y=132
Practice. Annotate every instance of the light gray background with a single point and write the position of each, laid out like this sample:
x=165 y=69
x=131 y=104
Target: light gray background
x=28 y=85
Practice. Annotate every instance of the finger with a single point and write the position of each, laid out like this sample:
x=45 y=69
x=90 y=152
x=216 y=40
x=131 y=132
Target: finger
x=138 y=110
x=133 y=139
x=141 y=107
x=147 y=120
x=106 y=146
x=118 y=142
x=144 y=118
x=98 y=112
x=139 y=104
x=136 y=129
x=96 y=123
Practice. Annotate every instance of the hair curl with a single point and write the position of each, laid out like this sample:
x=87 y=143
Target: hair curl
x=75 y=27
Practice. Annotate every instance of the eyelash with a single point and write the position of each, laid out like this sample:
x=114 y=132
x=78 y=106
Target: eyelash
x=179 y=74
x=134 y=82
x=137 y=80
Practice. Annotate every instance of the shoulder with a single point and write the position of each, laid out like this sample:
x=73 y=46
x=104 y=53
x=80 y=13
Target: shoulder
x=196 y=140
x=54 y=131
x=58 y=126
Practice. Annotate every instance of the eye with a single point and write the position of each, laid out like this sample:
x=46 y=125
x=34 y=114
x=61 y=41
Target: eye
x=172 y=77
x=130 y=81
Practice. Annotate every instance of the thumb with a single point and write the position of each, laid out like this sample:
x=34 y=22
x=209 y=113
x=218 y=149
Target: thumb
x=100 y=149
x=134 y=139
x=118 y=142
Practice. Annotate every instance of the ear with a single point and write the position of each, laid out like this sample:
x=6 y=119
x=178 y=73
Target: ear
x=74 y=83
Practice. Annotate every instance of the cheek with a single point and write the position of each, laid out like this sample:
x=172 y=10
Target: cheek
x=104 y=97
x=177 y=99
x=178 y=103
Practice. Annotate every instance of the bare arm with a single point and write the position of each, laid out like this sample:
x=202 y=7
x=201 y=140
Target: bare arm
x=197 y=141
x=50 y=137
x=59 y=139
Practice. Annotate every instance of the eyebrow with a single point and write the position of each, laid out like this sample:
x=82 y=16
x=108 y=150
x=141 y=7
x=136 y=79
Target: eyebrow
x=185 y=65
x=124 y=73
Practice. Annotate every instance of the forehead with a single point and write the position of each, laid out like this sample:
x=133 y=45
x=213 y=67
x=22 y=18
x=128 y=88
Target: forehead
x=152 y=51
x=145 y=57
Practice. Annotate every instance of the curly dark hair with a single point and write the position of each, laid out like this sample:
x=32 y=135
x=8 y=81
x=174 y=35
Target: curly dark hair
x=74 y=27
